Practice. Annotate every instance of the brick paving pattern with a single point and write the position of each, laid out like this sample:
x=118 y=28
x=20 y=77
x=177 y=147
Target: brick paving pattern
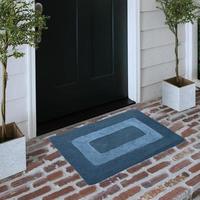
x=170 y=175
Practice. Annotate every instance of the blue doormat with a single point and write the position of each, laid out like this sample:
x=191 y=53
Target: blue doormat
x=100 y=150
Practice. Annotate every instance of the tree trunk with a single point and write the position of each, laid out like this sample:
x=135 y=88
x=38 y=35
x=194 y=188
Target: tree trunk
x=3 y=102
x=177 y=56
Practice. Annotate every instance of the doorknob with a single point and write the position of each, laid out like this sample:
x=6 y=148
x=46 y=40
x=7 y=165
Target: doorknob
x=39 y=7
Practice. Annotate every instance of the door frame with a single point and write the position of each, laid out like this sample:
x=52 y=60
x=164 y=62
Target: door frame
x=31 y=90
x=134 y=69
x=134 y=57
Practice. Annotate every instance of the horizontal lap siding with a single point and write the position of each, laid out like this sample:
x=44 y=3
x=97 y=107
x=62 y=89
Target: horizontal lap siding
x=17 y=108
x=157 y=50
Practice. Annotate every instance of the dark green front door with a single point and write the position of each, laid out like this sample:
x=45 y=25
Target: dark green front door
x=82 y=60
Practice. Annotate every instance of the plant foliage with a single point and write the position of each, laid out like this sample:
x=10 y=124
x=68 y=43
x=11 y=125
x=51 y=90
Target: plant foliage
x=178 y=12
x=20 y=24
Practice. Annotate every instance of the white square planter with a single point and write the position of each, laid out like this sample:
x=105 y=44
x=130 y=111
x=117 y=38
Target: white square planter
x=13 y=155
x=179 y=98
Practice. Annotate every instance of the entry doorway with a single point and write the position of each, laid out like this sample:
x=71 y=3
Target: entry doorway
x=82 y=61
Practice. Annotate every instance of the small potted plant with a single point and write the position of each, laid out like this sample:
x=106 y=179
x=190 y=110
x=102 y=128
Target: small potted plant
x=20 y=24
x=178 y=92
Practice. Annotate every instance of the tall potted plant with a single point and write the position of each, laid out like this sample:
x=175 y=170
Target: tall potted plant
x=20 y=24
x=178 y=92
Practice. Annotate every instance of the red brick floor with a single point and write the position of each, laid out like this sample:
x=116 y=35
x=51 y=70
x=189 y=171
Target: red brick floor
x=171 y=175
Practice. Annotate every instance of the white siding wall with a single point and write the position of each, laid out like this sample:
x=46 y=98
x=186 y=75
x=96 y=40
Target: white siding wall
x=157 y=50
x=17 y=109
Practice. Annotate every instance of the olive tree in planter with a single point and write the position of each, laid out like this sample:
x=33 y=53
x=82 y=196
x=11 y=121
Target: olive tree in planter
x=20 y=24
x=178 y=92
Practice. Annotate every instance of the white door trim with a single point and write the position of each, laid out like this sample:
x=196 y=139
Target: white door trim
x=31 y=90
x=191 y=50
x=134 y=71
x=134 y=59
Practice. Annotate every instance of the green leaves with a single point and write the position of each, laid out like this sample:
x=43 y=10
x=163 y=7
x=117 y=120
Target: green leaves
x=18 y=21
x=179 y=12
x=16 y=54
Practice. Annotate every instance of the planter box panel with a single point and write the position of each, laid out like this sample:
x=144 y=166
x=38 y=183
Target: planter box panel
x=12 y=152
x=178 y=98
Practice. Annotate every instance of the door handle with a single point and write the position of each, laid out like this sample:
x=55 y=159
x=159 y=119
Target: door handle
x=39 y=7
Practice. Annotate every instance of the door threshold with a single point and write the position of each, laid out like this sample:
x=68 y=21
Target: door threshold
x=73 y=118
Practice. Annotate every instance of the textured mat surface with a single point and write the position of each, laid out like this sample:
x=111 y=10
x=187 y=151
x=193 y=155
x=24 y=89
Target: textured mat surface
x=100 y=150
